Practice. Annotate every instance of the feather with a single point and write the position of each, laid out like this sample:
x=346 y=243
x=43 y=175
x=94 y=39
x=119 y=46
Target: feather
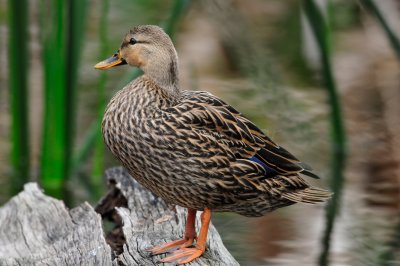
x=269 y=171
x=309 y=195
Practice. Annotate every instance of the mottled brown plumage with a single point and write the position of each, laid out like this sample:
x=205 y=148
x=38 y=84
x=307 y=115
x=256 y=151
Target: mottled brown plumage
x=191 y=148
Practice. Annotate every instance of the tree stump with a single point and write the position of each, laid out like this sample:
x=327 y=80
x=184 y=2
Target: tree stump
x=36 y=229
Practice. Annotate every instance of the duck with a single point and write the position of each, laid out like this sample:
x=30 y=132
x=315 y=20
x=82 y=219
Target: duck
x=192 y=149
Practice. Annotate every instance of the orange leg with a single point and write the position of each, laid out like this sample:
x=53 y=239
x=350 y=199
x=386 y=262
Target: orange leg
x=185 y=255
x=187 y=241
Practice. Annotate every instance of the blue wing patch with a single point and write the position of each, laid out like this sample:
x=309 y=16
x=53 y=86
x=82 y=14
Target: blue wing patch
x=269 y=171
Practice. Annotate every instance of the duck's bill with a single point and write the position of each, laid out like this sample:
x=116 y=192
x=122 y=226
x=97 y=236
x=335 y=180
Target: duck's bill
x=113 y=61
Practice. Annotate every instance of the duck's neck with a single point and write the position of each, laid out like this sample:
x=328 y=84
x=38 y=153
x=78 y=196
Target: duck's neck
x=165 y=74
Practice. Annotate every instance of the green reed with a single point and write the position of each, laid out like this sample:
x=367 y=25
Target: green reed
x=76 y=19
x=18 y=77
x=53 y=140
x=321 y=33
x=98 y=157
x=62 y=26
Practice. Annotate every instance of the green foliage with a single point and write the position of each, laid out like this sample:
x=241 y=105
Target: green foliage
x=61 y=40
x=98 y=157
x=18 y=76
x=338 y=140
x=53 y=144
x=76 y=18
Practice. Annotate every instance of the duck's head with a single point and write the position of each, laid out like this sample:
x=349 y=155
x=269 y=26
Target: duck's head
x=149 y=48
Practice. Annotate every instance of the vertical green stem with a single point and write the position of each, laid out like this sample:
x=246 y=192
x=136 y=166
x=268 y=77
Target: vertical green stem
x=18 y=58
x=76 y=25
x=98 y=159
x=53 y=142
x=338 y=139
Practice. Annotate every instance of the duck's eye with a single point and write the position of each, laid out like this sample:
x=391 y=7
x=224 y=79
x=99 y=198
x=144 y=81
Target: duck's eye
x=132 y=41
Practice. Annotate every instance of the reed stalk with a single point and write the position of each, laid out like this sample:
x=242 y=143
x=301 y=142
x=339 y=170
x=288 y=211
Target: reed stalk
x=321 y=33
x=76 y=19
x=99 y=147
x=62 y=34
x=55 y=85
x=18 y=77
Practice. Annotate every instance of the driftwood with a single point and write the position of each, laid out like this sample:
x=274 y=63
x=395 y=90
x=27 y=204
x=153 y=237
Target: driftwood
x=36 y=229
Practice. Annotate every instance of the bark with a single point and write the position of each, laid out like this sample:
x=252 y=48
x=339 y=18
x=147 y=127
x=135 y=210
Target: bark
x=36 y=229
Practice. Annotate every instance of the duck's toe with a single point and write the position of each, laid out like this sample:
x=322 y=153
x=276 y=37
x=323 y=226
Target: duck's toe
x=171 y=246
x=184 y=255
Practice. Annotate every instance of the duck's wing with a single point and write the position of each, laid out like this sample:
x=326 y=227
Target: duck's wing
x=226 y=151
x=206 y=112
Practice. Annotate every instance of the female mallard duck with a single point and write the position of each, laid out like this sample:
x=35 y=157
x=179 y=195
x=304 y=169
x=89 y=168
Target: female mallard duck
x=191 y=148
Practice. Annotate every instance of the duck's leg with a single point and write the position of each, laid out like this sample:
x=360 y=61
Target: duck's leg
x=187 y=241
x=185 y=255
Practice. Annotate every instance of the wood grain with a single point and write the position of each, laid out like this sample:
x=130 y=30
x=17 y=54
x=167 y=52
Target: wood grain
x=36 y=229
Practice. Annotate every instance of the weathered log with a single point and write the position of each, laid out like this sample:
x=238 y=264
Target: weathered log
x=38 y=230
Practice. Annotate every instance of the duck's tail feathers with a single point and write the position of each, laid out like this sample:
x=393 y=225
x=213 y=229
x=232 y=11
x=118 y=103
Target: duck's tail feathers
x=309 y=195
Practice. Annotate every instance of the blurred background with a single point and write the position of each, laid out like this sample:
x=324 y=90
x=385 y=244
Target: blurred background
x=320 y=77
